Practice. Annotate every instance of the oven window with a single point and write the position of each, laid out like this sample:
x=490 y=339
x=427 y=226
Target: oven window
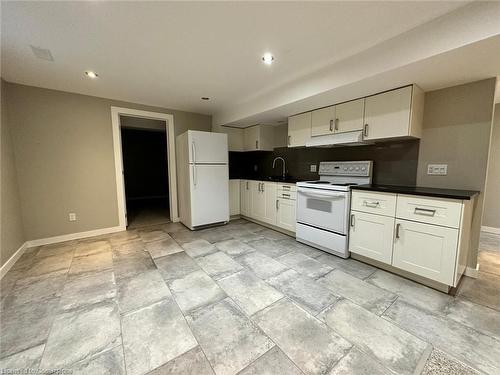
x=319 y=205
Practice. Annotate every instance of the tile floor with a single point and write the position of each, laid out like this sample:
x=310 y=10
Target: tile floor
x=238 y=299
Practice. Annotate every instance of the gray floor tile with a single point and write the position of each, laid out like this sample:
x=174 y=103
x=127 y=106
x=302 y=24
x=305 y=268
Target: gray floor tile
x=35 y=288
x=141 y=290
x=121 y=238
x=56 y=249
x=29 y=358
x=154 y=335
x=249 y=292
x=389 y=344
x=152 y=234
x=269 y=247
x=26 y=326
x=215 y=234
x=108 y=363
x=234 y=248
x=183 y=237
x=366 y=295
x=218 y=265
x=479 y=351
x=483 y=290
x=272 y=235
x=173 y=227
x=199 y=248
x=260 y=264
x=92 y=263
x=195 y=290
x=82 y=333
x=88 y=290
x=303 y=290
x=43 y=265
x=350 y=266
x=356 y=362
x=230 y=341
x=311 y=345
x=440 y=363
x=410 y=291
x=305 y=265
x=89 y=248
x=193 y=362
x=245 y=235
x=176 y=266
x=163 y=247
x=490 y=261
x=479 y=317
x=274 y=362
x=135 y=249
x=301 y=248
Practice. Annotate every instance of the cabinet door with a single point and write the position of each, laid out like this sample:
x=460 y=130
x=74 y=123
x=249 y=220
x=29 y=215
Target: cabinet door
x=285 y=217
x=371 y=236
x=299 y=129
x=270 y=201
x=426 y=250
x=323 y=121
x=258 y=201
x=244 y=197
x=234 y=197
x=387 y=115
x=349 y=116
x=251 y=138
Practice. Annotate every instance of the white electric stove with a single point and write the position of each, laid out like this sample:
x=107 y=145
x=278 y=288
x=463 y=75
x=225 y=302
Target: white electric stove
x=323 y=206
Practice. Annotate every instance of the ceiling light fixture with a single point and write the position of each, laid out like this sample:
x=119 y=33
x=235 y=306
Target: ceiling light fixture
x=268 y=58
x=205 y=98
x=91 y=74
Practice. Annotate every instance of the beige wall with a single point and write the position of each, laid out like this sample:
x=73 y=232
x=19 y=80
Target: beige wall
x=12 y=234
x=64 y=156
x=491 y=215
x=457 y=124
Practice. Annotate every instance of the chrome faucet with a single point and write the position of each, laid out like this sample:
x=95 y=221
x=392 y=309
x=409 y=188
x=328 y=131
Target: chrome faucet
x=284 y=168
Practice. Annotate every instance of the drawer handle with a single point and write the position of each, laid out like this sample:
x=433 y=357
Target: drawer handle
x=371 y=204
x=397 y=230
x=277 y=204
x=424 y=211
x=352 y=222
x=285 y=187
x=286 y=195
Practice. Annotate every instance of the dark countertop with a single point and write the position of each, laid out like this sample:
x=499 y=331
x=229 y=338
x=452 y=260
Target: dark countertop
x=420 y=190
x=288 y=180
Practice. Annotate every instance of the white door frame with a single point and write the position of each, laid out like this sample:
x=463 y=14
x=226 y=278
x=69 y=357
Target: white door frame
x=117 y=146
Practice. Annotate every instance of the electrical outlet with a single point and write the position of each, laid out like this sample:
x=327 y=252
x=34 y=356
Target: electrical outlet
x=72 y=216
x=437 y=169
x=313 y=168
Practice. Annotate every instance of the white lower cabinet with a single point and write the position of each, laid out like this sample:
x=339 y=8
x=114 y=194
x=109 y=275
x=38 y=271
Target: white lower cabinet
x=371 y=236
x=426 y=250
x=268 y=202
x=286 y=214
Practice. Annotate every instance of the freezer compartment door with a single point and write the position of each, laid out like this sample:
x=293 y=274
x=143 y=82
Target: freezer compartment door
x=209 y=194
x=207 y=148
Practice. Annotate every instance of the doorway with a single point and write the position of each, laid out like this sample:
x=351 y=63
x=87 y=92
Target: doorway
x=157 y=202
x=145 y=171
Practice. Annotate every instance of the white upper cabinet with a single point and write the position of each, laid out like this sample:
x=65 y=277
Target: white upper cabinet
x=349 y=116
x=394 y=114
x=258 y=138
x=323 y=121
x=299 y=129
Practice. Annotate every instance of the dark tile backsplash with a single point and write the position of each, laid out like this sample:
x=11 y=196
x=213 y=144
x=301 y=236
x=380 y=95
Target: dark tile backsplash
x=394 y=163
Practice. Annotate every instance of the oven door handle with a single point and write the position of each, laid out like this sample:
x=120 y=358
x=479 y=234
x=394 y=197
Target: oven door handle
x=321 y=195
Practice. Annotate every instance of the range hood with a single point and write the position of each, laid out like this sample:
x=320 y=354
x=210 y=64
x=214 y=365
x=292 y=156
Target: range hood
x=348 y=139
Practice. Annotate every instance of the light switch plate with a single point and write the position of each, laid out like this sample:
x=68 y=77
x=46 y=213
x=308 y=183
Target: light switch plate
x=313 y=168
x=437 y=169
x=72 y=216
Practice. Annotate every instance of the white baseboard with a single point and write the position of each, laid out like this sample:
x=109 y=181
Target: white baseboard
x=490 y=229
x=13 y=259
x=74 y=236
x=472 y=272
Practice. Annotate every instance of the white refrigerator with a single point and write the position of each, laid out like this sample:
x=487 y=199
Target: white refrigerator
x=203 y=178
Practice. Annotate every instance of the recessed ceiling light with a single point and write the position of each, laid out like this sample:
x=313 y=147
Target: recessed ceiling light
x=268 y=58
x=205 y=98
x=91 y=74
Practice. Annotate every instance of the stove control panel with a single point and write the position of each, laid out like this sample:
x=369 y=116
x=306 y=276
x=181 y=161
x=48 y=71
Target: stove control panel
x=346 y=168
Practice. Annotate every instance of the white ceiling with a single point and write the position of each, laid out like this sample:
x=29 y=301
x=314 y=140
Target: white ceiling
x=170 y=54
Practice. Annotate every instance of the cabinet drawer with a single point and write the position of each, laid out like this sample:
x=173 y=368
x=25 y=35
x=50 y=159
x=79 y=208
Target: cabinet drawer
x=375 y=203
x=438 y=211
x=287 y=187
x=292 y=195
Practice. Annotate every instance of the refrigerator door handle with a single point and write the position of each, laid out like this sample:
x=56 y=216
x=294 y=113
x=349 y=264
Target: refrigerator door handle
x=194 y=175
x=193 y=151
